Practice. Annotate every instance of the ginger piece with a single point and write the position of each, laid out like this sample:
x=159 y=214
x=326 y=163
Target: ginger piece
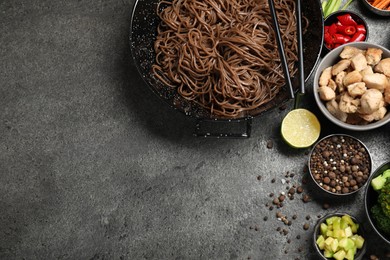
x=333 y=108
x=326 y=75
x=359 y=62
x=348 y=104
x=357 y=89
x=377 y=80
x=340 y=66
x=370 y=101
x=383 y=67
x=326 y=93
x=352 y=77
x=377 y=115
x=349 y=51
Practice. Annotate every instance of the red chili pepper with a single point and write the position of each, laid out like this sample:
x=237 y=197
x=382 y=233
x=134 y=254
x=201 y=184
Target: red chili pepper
x=358 y=37
x=361 y=28
x=332 y=29
x=339 y=38
x=326 y=28
x=346 y=30
x=329 y=45
x=328 y=38
x=346 y=19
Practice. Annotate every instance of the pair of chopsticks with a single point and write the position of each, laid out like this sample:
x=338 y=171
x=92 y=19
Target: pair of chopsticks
x=281 y=48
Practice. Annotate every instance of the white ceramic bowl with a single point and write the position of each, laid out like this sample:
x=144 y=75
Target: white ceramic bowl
x=332 y=58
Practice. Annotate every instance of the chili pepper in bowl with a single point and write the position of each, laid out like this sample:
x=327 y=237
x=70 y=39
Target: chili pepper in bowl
x=346 y=29
x=346 y=19
x=342 y=27
x=361 y=28
x=358 y=37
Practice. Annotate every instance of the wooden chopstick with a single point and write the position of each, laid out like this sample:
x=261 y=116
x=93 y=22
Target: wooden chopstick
x=280 y=47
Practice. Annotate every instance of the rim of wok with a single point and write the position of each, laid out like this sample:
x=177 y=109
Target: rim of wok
x=143 y=29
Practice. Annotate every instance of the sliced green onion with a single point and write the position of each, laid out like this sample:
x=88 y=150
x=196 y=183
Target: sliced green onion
x=337 y=6
x=323 y=4
x=333 y=5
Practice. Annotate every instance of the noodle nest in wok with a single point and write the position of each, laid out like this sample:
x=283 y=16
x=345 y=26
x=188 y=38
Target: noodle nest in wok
x=222 y=54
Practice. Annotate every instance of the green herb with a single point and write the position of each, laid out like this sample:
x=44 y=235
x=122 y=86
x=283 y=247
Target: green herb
x=331 y=6
x=323 y=4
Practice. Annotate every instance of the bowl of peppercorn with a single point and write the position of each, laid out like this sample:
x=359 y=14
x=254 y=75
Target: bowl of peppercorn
x=339 y=165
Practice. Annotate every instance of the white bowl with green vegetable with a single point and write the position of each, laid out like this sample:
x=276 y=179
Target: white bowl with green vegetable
x=377 y=201
x=339 y=236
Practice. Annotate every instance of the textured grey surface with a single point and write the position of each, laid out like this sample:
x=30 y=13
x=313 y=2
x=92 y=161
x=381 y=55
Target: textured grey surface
x=95 y=166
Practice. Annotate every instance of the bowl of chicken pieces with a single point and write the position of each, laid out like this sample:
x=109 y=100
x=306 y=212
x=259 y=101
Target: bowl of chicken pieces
x=352 y=86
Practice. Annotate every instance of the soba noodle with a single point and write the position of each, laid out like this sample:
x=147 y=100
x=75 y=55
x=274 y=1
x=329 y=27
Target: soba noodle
x=222 y=54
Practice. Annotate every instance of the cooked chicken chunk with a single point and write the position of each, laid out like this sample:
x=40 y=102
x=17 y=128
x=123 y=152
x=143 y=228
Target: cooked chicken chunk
x=370 y=101
x=366 y=71
x=356 y=89
x=352 y=77
x=377 y=81
x=326 y=75
x=348 y=104
x=359 y=62
x=333 y=108
x=349 y=51
x=340 y=66
x=386 y=94
x=373 y=56
x=383 y=67
x=326 y=93
x=332 y=85
x=377 y=115
x=339 y=81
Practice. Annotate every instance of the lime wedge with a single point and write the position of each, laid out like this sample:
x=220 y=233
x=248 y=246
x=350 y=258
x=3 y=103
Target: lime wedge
x=300 y=128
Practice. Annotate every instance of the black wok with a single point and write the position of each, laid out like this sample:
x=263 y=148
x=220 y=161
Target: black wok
x=144 y=21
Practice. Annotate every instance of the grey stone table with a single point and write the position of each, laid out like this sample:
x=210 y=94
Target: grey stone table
x=94 y=166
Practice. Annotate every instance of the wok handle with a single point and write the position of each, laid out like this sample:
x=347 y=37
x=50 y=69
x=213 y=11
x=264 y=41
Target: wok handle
x=224 y=128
